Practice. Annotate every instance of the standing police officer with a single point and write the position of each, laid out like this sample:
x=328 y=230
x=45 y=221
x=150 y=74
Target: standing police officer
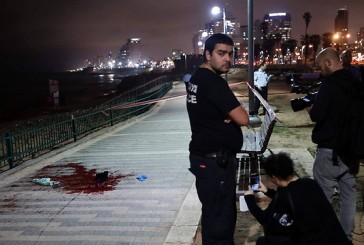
x=261 y=80
x=216 y=117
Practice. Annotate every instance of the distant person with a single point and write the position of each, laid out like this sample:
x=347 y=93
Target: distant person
x=346 y=58
x=298 y=205
x=56 y=98
x=216 y=117
x=261 y=80
x=330 y=170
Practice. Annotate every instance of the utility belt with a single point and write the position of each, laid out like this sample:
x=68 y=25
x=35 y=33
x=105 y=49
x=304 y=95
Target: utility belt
x=259 y=87
x=222 y=156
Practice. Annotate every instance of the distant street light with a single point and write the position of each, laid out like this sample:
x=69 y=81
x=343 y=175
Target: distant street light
x=216 y=11
x=185 y=60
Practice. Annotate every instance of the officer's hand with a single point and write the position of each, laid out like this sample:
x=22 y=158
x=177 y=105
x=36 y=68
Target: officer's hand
x=249 y=191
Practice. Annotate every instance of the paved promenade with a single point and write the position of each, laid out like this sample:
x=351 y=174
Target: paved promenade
x=163 y=209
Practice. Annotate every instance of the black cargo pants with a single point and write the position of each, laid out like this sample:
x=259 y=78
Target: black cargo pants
x=216 y=189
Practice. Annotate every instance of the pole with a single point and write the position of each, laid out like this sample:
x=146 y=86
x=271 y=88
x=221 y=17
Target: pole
x=224 y=24
x=253 y=119
x=224 y=19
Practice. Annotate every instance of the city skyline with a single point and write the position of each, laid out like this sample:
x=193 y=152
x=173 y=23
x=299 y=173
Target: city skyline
x=60 y=35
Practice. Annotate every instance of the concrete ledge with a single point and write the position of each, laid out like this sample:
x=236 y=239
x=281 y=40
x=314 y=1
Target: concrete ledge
x=185 y=226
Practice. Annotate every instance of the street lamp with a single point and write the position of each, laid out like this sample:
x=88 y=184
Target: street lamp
x=254 y=119
x=217 y=10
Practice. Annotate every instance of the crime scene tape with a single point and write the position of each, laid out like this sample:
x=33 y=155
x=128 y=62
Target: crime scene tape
x=147 y=102
x=165 y=98
x=263 y=101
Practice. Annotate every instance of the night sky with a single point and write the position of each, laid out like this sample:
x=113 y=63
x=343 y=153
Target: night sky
x=61 y=34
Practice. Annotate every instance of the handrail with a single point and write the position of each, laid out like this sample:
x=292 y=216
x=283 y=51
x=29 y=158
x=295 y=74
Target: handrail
x=30 y=142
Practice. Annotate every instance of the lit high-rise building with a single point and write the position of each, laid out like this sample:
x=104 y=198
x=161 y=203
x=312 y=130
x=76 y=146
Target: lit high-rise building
x=279 y=23
x=360 y=36
x=198 y=41
x=216 y=25
x=342 y=20
x=135 y=55
x=258 y=34
x=130 y=53
x=342 y=26
x=176 y=54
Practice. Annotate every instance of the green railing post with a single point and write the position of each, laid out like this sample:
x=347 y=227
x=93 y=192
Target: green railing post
x=9 y=149
x=111 y=117
x=74 y=128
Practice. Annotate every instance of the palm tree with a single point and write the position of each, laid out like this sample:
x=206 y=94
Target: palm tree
x=257 y=50
x=326 y=39
x=307 y=17
x=264 y=28
x=278 y=39
x=315 y=40
x=291 y=45
x=284 y=48
x=268 y=46
x=303 y=39
x=304 y=42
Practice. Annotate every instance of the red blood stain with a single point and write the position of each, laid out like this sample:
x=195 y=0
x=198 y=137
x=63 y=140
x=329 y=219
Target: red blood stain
x=75 y=178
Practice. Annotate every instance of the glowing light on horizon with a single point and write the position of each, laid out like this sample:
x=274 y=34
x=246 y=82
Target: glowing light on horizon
x=277 y=14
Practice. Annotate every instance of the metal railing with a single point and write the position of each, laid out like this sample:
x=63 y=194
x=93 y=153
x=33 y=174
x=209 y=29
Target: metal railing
x=41 y=137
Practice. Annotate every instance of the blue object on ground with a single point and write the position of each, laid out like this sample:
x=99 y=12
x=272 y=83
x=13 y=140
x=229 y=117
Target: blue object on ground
x=142 y=178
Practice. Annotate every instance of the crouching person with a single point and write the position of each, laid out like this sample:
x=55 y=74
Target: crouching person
x=299 y=212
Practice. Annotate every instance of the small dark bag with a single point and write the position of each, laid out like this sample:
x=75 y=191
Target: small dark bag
x=281 y=229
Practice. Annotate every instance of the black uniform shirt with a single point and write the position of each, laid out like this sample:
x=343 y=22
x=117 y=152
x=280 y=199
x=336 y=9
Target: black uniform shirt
x=328 y=106
x=209 y=99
